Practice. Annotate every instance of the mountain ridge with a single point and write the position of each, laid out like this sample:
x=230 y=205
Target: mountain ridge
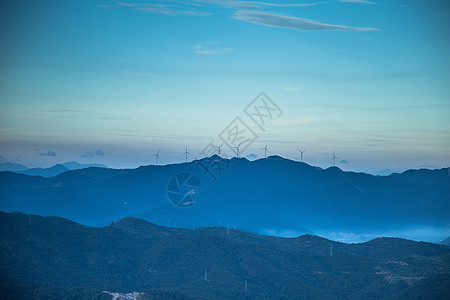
x=49 y=171
x=53 y=251
x=274 y=195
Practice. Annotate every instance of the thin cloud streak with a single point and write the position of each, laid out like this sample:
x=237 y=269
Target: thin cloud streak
x=49 y=153
x=63 y=110
x=93 y=154
x=249 y=11
x=292 y=89
x=253 y=4
x=358 y=1
x=283 y=21
x=379 y=108
x=290 y=122
x=210 y=50
x=165 y=9
x=117 y=118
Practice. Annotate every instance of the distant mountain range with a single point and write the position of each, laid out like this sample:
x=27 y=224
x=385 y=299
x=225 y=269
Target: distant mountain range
x=46 y=172
x=73 y=165
x=269 y=196
x=53 y=258
x=446 y=241
x=13 y=167
x=387 y=172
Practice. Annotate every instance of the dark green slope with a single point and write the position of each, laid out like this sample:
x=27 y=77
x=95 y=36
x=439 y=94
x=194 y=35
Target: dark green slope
x=134 y=255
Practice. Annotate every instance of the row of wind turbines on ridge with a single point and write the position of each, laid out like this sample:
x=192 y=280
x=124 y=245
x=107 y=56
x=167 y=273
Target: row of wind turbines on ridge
x=219 y=151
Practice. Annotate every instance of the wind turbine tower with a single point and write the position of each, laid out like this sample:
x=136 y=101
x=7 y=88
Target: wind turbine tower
x=301 y=154
x=186 y=153
x=156 y=157
x=265 y=151
x=237 y=149
x=219 y=149
x=334 y=159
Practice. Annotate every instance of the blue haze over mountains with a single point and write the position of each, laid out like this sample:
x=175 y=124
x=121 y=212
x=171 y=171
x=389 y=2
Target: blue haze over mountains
x=274 y=196
x=46 y=172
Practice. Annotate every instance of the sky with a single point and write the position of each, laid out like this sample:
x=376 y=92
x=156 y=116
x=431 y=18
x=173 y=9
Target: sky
x=114 y=82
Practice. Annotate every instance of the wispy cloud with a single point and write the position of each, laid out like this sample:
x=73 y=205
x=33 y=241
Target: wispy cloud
x=117 y=118
x=386 y=108
x=157 y=9
x=93 y=154
x=211 y=48
x=253 y=4
x=125 y=4
x=251 y=156
x=284 y=21
x=358 y=1
x=138 y=77
x=249 y=11
x=166 y=9
x=197 y=13
x=49 y=153
x=106 y=6
x=64 y=110
x=290 y=122
x=291 y=89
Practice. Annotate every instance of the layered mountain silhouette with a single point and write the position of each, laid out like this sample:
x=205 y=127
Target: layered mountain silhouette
x=271 y=196
x=46 y=172
x=51 y=255
x=446 y=241
x=74 y=165
x=13 y=167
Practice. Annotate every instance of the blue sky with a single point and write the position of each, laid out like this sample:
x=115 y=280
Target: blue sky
x=122 y=80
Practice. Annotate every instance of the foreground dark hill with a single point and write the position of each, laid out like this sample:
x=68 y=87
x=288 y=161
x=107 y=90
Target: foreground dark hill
x=274 y=196
x=134 y=255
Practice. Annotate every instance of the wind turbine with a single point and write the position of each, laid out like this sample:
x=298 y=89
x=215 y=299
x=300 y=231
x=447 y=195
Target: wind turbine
x=265 y=151
x=218 y=149
x=301 y=154
x=186 y=153
x=237 y=149
x=334 y=159
x=156 y=157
